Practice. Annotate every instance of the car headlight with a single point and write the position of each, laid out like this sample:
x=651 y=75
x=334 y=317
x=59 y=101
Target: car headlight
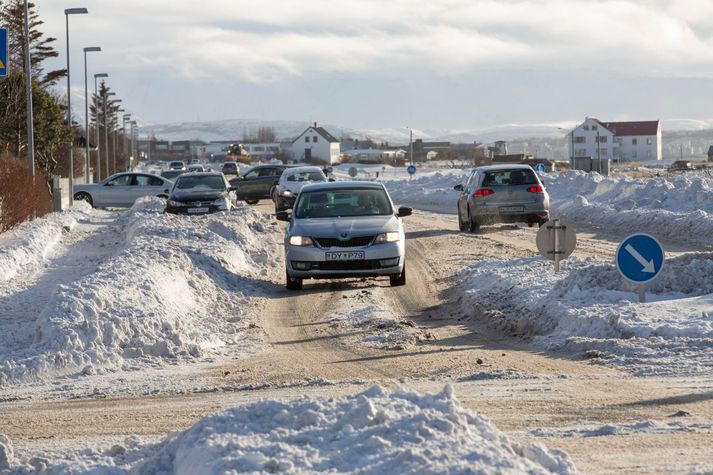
x=286 y=193
x=300 y=241
x=174 y=203
x=386 y=237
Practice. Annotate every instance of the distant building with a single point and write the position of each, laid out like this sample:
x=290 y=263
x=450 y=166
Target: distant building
x=315 y=144
x=423 y=151
x=374 y=155
x=617 y=141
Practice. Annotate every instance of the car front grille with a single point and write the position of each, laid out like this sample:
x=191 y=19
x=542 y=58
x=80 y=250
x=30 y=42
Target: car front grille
x=361 y=241
x=348 y=265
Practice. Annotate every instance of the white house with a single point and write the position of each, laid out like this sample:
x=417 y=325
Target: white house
x=316 y=144
x=618 y=141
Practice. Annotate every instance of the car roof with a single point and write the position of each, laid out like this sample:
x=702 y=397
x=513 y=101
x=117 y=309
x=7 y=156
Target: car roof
x=310 y=168
x=505 y=166
x=341 y=185
x=189 y=174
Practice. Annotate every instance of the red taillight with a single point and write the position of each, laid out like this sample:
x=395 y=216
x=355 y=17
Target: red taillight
x=483 y=192
x=536 y=189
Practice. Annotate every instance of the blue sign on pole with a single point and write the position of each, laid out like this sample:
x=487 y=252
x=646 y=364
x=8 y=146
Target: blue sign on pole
x=3 y=52
x=640 y=258
x=541 y=168
x=411 y=169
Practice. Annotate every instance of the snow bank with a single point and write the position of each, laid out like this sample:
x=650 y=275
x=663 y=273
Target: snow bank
x=177 y=288
x=27 y=245
x=589 y=309
x=679 y=207
x=430 y=191
x=376 y=431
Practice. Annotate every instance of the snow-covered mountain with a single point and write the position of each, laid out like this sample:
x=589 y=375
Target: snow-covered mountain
x=237 y=129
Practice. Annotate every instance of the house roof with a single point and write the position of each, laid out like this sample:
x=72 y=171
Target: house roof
x=321 y=131
x=645 y=127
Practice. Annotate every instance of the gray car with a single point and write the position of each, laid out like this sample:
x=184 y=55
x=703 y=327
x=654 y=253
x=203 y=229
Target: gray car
x=201 y=193
x=121 y=190
x=344 y=229
x=502 y=194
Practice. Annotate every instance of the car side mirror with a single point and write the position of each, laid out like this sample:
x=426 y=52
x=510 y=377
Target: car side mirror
x=404 y=211
x=331 y=179
x=109 y=183
x=458 y=187
x=232 y=188
x=282 y=216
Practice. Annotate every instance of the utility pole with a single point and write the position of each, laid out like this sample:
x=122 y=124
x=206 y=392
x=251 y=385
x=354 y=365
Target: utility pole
x=28 y=92
x=599 y=156
x=410 y=144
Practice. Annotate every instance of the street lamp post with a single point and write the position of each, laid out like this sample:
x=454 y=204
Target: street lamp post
x=96 y=123
x=115 y=119
x=133 y=139
x=113 y=134
x=124 y=119
x=89 y=49
x=28 y=93
x=106 y=133
x=67 y=12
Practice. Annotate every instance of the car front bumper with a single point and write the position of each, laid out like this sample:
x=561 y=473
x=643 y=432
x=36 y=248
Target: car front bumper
x=311 y=262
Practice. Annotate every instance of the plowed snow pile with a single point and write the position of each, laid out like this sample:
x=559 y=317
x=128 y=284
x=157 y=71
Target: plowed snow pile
x=589 y=309
x=176 y=288
x=679 y=207
x=376 y=431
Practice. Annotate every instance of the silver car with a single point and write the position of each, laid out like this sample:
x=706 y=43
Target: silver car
x=344 y=229
x=122 y=189
x=502 y=194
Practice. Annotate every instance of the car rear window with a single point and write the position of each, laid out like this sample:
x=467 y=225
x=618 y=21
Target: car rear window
x=209 y=182
x=307 y=176
x=517 y=176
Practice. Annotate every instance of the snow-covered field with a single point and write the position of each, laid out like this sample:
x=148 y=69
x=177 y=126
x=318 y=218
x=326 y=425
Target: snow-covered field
x=174 y=288
x=375 y=431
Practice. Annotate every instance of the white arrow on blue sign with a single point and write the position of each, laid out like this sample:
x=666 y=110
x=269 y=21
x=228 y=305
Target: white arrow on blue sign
x=640 y=258
x=540 y=167
x=411 y=169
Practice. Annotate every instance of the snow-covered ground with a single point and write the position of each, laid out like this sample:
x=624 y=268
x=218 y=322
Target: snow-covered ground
x=375 y=431
x=588 y=309
x=168 y=289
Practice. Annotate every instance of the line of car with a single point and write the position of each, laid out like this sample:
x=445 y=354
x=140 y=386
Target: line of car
x=336 y=229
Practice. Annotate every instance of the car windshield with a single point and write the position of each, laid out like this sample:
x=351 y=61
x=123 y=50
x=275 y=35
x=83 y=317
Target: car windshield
x=519 y=176
x=343 y=203
x=306 y=176
x=209 y=182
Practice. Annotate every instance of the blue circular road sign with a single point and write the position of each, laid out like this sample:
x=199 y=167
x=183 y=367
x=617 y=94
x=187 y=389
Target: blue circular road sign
x=640 y=258
x=411 y=169
x=540 y=167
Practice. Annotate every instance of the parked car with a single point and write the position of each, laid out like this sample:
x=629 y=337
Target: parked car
x=344 y=229
x=258 y=183
x=230 y=168
x=200 y=193
x=291 y=182
x=172 y=174
x=177 y=165
x=502 y=194
x=196 y=167
x=121 y=190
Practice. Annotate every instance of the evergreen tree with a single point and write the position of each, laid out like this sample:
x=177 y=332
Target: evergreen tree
x=12 y=17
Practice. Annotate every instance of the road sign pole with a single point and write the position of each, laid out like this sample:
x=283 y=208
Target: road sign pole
x=642 y=294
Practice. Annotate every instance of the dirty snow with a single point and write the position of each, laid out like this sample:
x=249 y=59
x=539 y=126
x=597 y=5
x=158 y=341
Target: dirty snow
x=588 y=309
x=175 y=288
x=595 y=429
x=376 y=431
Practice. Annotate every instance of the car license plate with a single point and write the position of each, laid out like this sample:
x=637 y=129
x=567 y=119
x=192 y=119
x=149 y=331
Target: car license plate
x=512 y=209
x=197 y=210
x=345 y=256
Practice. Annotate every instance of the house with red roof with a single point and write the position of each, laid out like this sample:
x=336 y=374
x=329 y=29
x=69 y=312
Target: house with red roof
x=617 y=141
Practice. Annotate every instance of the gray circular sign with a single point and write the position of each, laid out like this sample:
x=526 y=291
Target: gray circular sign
x=566 y=239
x=353 y=172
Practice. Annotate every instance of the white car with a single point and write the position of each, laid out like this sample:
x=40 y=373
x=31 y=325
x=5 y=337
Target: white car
x=177 y=165
x=122 y=189
x=291 y=182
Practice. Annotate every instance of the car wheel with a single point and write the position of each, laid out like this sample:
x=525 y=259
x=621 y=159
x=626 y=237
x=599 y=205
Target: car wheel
x=473 y=224
x=461 y=224
x=293 y=283
x=252 y=202
x=82 y=196
x=278 y=207
x=398 y=280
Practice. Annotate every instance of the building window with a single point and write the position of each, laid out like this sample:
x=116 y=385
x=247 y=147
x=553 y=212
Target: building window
x=594 y=127
x=602 y=139
x=633 y=142
x=648 y=141
x=314 y=139
x=307 y=139
x=604 y=152
x=580 y=152
x=586 y=127
x=580 y=139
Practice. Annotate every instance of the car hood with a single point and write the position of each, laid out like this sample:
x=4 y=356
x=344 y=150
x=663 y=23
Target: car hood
x=345 y=228
x=197 y=195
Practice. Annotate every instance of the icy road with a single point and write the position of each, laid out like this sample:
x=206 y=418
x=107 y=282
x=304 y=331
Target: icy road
x=117 y=328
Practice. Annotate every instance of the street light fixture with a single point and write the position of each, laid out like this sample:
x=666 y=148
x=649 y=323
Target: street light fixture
x=96 y=120
x=67 y=12
x=89 y=49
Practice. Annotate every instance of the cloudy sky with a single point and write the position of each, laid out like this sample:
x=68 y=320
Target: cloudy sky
x=451 y=64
